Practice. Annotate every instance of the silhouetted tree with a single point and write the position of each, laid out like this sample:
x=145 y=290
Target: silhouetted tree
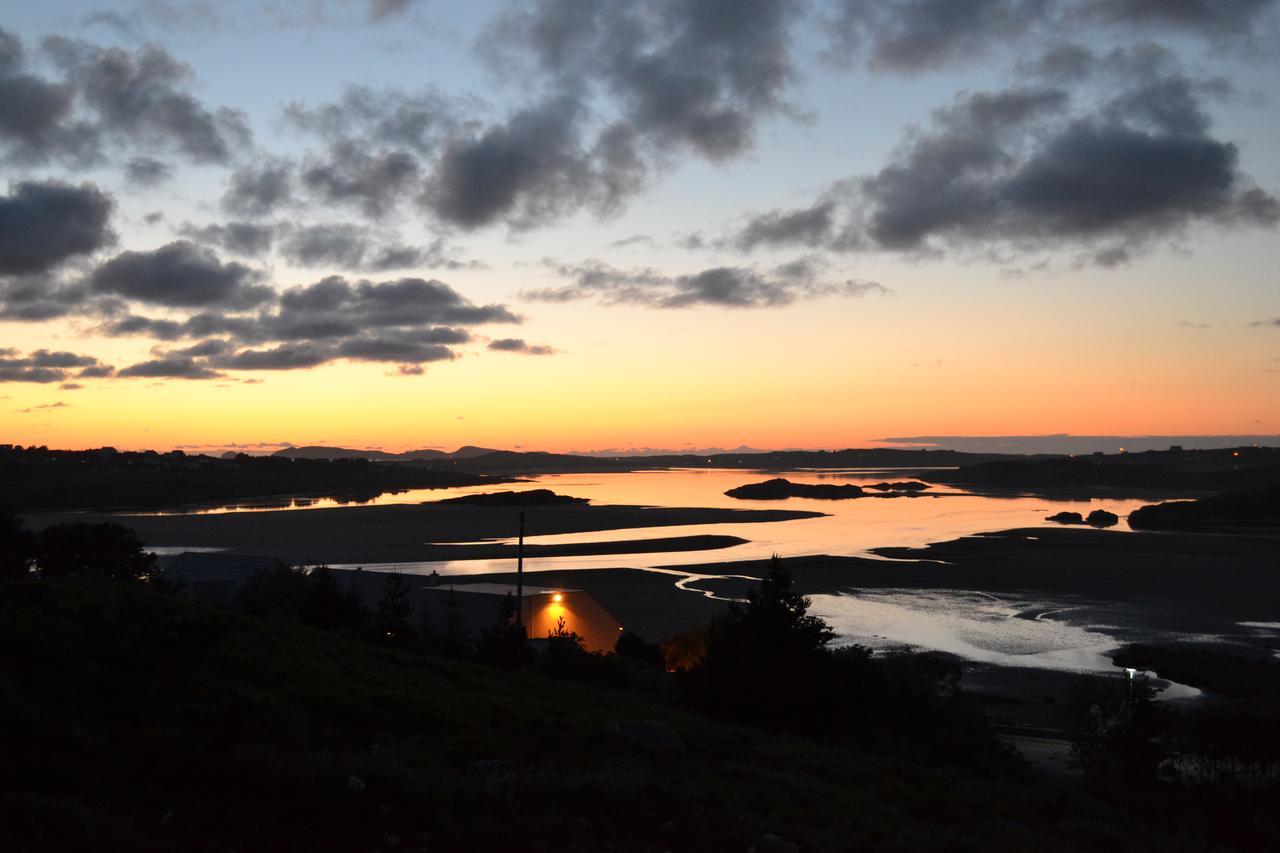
x=393 y=620
x=284 y=593
x=504 y=643
x=454 y=640
x=631 y=646
x=17 y=547
x=327 y=607
x=103 y=551
x=274 y=593
x=761 y=656
x=1121 y=728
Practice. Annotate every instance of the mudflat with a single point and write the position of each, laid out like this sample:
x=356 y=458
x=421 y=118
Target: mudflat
x=412 y=532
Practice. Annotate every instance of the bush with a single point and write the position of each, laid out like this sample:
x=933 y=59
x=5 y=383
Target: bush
x=103 y=551
x=504 y=643
x=17 y=547
x=284 y=593
x=1121 y=727
x=632 y=647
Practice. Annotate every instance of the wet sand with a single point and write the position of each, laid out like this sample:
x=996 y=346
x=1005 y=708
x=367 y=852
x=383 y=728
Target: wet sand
x=1188 y=582
x=407 y=533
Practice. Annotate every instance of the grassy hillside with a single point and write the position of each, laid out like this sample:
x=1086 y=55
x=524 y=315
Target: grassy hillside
x=132 y=720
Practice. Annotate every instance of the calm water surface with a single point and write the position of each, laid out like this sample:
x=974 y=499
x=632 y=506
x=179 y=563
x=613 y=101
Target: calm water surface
x=850 y=527
x=975 y=625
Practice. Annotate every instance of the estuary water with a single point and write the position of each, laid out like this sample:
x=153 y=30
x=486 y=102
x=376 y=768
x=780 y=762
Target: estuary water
x=973 y=624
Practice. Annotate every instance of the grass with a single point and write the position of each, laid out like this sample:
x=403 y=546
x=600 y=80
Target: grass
x=132 y=720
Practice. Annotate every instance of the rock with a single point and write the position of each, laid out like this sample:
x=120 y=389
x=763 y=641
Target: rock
x=649 y=735
x=906 y=486
x=1066 y=518
x=1102 y=518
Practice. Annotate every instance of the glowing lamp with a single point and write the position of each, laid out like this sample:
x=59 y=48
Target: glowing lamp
x=557 y=598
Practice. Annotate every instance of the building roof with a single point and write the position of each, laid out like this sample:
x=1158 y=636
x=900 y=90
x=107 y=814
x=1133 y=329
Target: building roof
x=497 y=589
x=202 y=567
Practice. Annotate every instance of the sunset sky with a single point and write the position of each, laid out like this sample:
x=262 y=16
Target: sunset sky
x=596 y=224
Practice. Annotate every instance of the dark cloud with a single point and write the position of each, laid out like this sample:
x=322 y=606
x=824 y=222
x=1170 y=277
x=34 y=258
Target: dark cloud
x=34 y=298
x=140 y=98
x=677 y=75
x=43 y=366
x=380 y=10
x=381 y=119
x=170 y=368
x=259 y=189
x=1019 y=169
x=1213 y=17
x=387 y=304
x=37 y=117
x=361 y=249
x=811 y=226
x=43 y=407
x=131 y=324
x=283 y=357
x=681 y=72
x=240 y=238
x=1274 y=321
x=409 y=321
x=335 y=244
x=519 y=345
x=180 y=275
x=371 y=182
x=45 y=223
x=100 y=371
x=634 y=240
x=393 y=349
x=70 y=386
x=147 y=172
x=924 y=34
x=726 y=287
x=528 y=171
x=909 y=36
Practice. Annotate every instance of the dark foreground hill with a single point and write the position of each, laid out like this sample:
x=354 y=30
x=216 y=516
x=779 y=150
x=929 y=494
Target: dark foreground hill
x=131 y=720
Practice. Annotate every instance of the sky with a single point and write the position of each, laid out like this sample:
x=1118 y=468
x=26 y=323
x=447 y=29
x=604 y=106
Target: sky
x=591 y=225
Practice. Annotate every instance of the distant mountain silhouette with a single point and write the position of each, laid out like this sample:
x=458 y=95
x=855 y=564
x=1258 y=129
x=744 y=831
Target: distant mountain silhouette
x=469 y=451
x=316 y=451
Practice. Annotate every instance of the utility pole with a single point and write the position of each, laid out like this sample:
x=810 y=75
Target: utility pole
x=520 y=578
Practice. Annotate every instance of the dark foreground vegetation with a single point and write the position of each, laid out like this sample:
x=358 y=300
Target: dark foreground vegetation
x=137 y=719
x=36 y=478
x=1202 y=471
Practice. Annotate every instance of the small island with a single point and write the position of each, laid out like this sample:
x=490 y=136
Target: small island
x=532 y=497
x=1097 y=518
x=779 y=489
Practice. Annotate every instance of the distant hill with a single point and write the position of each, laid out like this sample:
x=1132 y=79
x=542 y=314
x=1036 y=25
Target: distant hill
x=470 y=451
x=316 y=451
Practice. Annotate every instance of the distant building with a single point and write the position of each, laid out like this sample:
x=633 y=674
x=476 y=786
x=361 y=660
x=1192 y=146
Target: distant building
x=542 y=609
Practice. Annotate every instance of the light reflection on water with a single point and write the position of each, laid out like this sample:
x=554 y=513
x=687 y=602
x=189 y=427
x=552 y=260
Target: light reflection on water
x=974 y=625
x=849 y=527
